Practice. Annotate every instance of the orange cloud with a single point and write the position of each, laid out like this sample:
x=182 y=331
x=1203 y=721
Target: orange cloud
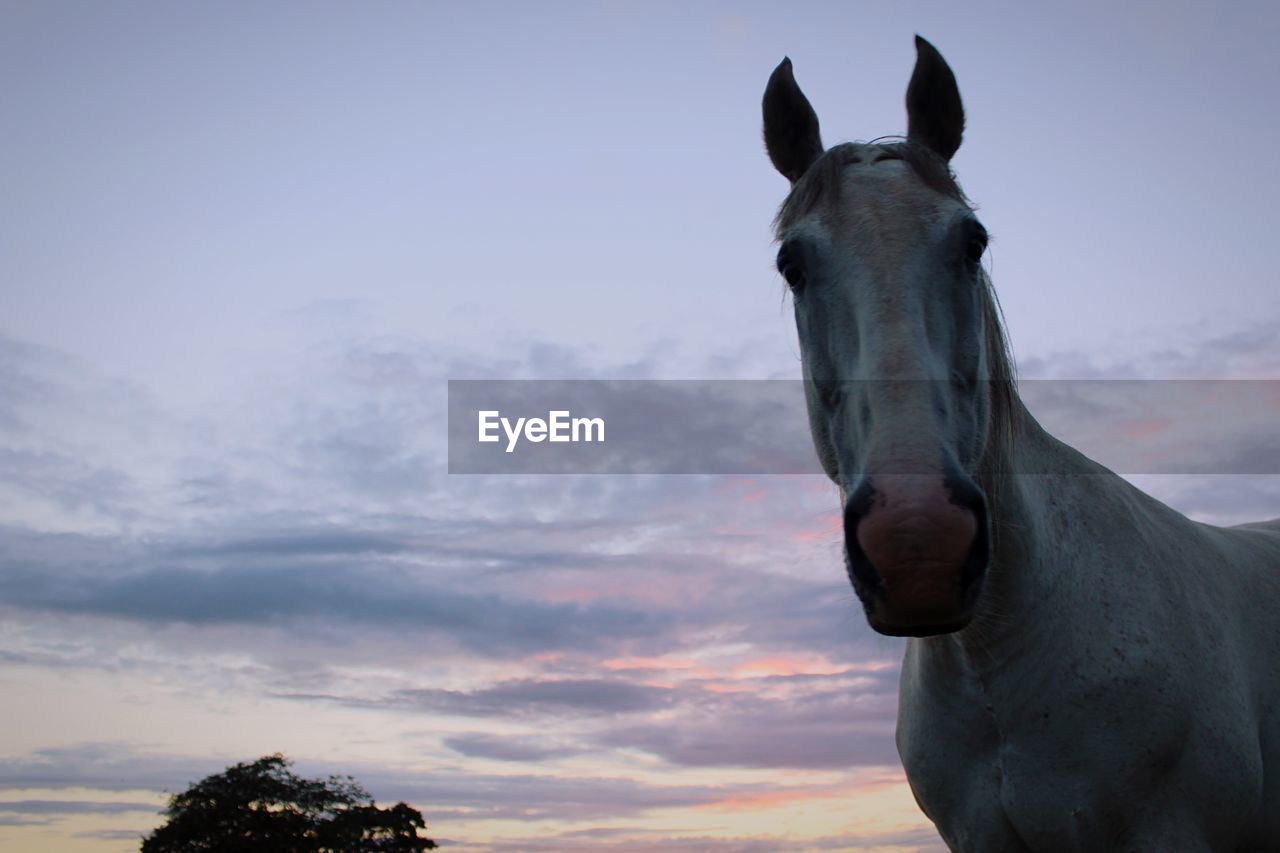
x=786 y=665
x=755 y=802
x=824 y=528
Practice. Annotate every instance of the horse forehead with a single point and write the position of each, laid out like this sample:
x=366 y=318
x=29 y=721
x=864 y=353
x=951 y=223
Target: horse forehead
x=889 y=196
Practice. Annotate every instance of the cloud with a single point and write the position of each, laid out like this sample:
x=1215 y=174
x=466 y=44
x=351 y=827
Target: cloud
x=654 y=565
x=1223 y=500
x=130 y=835
x=831 y=722
x=65 y=807
x=1242 y=353
x=443 y=793
x=339 y=578
x=1163 y=426
x=519 y=749
x=317 y=537
x=834 y=721
x=532 y=697
x=526 y=796
x=103 y=767
x=70 y=440
x=642 y=840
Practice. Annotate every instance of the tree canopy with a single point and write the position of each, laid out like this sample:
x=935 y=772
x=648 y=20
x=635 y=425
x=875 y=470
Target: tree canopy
x=264 y=807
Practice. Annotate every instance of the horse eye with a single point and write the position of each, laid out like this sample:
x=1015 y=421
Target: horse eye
x=975 y=247
x=789 y=266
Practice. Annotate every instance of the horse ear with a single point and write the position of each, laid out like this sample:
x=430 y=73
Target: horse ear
x=790 y=124
x=935 y=116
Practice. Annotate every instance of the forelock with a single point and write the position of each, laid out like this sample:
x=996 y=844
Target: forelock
x=821 y=184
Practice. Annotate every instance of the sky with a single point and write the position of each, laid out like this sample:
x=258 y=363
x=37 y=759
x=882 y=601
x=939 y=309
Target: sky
x=244 y=246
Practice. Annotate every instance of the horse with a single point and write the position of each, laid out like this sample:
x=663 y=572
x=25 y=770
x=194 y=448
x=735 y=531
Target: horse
x=1086 y=669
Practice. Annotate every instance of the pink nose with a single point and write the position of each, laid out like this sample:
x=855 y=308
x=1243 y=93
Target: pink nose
x=918 y=539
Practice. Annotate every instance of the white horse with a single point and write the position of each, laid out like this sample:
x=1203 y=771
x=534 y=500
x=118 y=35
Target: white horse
x=1088 y=670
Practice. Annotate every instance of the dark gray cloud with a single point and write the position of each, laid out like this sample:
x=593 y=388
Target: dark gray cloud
x=534 y=697
x=519 y=749
x=14 y=820
x=104 y=767
x=134 y=581
x=66 y=807
x=518 y=699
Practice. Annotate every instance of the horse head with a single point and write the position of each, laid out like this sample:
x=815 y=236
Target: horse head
x=901 y=343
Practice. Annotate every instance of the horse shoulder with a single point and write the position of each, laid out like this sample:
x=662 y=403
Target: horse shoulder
x=1252 y=551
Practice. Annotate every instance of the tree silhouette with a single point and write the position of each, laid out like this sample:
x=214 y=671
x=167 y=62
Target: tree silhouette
x=264 y=808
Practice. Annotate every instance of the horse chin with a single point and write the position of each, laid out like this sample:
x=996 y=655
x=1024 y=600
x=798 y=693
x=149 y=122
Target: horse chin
x=898 y=626
x=923 y=601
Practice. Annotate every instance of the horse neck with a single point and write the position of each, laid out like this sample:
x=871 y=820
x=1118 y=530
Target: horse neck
x=1043 y=498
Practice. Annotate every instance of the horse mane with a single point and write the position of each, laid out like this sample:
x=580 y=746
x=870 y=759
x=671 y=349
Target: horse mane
x=821 y=185
x=1003 y=373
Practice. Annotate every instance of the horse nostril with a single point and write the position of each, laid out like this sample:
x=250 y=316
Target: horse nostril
x=867 y=582
x=965 y=493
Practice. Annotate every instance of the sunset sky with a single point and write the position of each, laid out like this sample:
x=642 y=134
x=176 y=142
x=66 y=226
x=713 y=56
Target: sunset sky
x=243 y=247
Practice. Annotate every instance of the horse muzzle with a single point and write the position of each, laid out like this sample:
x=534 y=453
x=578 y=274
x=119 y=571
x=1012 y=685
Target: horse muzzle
x=917 y=548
